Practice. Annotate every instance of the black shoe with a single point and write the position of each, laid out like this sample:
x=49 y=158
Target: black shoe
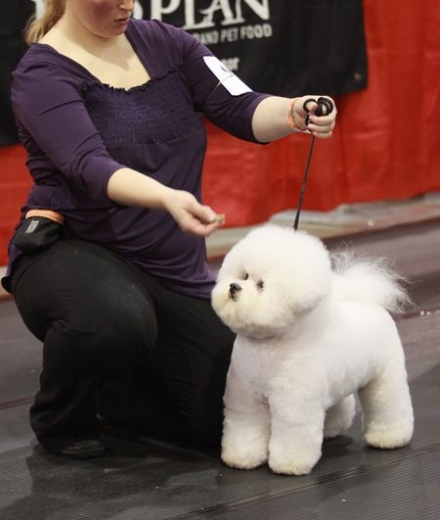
x=85 y=449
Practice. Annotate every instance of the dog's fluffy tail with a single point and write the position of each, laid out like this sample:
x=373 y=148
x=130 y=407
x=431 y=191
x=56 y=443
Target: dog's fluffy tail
x=369 y=280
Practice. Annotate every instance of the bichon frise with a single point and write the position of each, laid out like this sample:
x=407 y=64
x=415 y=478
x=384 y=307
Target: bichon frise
x=309 y=336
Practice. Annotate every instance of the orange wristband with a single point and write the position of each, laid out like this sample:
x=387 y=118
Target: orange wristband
x=291 y=120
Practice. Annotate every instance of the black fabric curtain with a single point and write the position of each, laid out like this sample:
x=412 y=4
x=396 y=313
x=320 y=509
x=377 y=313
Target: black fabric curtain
x=284 y=47
x=12 y=46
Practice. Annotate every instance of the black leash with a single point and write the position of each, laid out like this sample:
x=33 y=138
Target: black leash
x=325 y=106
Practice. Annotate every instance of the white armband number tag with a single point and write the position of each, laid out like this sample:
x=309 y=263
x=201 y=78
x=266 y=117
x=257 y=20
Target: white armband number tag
x=228 y=79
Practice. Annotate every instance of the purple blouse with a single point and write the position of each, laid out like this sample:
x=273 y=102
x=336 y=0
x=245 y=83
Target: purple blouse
x=78 y=132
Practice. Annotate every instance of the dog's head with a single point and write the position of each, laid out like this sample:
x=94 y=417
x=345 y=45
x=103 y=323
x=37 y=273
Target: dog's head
x=269 y=279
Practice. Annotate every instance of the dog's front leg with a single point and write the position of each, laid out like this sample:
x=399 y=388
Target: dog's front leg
x=296 y=435
x=246 y=426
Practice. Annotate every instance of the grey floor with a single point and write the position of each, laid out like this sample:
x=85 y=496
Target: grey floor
x=146 y=480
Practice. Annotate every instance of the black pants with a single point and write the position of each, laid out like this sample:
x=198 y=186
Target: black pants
x=118 y=344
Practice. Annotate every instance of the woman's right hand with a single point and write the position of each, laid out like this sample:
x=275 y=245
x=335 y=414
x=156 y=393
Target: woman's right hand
x=191 y=216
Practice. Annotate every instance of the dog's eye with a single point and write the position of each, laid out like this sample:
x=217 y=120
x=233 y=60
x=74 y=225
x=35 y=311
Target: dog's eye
x=260 y=284
x=246 y=276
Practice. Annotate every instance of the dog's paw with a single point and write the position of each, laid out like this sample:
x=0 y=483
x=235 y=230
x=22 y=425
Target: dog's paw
x=246 y=459
x=291 y=466
x=388 y=438
x=300 y=461
x=245 y=446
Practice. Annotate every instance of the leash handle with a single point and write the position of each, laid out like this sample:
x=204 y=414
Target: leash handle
x=325 y=107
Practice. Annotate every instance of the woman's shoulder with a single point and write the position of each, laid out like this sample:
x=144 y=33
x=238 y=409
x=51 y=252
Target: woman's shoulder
x=162 y=46
x=44 y=74
x=156 y=30
x=41 y=59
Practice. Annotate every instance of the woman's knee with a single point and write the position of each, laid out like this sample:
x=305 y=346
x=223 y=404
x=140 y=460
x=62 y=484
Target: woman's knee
x=123 y=329
x=111 y=341
x=87 y=292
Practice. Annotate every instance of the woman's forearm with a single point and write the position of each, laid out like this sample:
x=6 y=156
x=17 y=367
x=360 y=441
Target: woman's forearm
x=276 y=117
x=269 y=121
x=131 y=188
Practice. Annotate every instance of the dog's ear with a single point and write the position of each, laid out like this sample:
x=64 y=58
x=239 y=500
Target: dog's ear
x=311 y=276
x=303 y=305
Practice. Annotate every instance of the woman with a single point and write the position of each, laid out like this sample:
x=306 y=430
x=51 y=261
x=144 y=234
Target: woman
x=108 y=264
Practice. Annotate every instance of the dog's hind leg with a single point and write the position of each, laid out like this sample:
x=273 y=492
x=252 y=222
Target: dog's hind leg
x=388 y=419
x=339 y=417
x=246 y=426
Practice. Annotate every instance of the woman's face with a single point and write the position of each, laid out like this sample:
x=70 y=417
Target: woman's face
x=104 y=18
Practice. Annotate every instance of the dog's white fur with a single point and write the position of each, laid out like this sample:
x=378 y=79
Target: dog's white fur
x=309 y=336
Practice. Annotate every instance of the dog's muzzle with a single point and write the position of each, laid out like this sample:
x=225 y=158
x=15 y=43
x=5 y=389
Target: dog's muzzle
x=234 y=289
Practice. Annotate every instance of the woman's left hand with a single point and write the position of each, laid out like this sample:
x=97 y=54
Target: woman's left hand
x=320 y=126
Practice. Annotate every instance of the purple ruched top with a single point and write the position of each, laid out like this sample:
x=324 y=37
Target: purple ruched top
x=78 y=132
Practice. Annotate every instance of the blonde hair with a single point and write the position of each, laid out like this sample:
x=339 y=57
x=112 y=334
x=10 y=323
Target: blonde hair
x=38 y=27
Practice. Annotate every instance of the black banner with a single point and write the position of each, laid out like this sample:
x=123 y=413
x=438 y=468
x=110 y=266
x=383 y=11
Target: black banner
x=283 y=47
x=12 y=46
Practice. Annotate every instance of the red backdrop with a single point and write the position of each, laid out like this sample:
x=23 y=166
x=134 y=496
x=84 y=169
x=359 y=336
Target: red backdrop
x=386 y=145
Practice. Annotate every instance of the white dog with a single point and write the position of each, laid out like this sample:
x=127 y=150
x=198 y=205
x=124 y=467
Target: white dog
x=309 y=336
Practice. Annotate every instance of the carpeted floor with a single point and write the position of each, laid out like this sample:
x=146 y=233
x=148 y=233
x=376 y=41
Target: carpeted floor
x=145 y=480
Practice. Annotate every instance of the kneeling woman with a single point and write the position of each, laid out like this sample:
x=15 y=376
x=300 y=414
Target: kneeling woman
x=108 y=263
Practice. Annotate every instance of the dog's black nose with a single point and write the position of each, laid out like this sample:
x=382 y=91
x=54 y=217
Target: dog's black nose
x=234 y=288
